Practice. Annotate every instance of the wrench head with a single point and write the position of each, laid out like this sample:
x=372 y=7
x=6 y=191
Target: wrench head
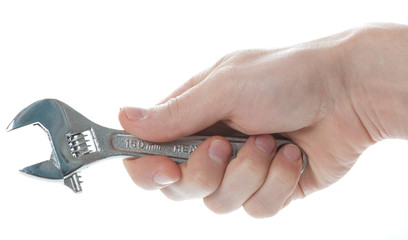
x=71 y=137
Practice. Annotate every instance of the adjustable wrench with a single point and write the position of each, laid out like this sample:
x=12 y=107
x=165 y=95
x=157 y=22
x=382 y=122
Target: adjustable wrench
x=77 y=142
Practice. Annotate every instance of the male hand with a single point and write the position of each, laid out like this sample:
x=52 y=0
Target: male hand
x=316 y=94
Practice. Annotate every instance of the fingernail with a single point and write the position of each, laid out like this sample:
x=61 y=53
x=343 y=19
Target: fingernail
x=219 y=152
x=265 y=143
x=292 y=152
x=162 y=179
x=133 y=113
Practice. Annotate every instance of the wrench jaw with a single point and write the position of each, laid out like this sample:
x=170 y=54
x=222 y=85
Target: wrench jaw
x=45 y=169
x=57 y=168
x=71 y=138
x=48 y=171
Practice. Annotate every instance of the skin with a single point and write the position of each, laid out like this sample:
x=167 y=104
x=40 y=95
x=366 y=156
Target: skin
x=333 y=97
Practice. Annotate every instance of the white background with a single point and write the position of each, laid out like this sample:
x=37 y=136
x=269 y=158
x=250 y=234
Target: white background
x=99 y=56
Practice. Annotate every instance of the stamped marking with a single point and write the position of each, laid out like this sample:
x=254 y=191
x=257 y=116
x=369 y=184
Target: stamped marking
x=178 y=150
x=140 y=144
x=184 y=148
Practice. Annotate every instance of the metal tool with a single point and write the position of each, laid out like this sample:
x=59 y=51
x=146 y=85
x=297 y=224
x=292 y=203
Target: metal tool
x=77 y=142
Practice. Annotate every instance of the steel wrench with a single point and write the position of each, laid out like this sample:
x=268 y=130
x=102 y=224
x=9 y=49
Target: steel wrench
x=77 y=142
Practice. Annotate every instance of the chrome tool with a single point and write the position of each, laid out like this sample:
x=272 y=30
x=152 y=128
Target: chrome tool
x=77 y=142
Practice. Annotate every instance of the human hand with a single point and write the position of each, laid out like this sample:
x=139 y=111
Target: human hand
x=309 y=93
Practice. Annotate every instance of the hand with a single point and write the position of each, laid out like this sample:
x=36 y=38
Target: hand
x=310 y=93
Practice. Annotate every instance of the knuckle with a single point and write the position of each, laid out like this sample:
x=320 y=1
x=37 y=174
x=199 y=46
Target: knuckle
x=175 y=113
x=254 y=212
x=286 y=179
x=204 y=183
x=222 y=60
x=283 y=181
x=241 y=57
x=173 y=107
x=259 y=210
x=216 y=206
x=287 y=174
x=254 y=167
x=174 y=194
x=229 y=65
x=226 y=71
x=250 y=166
x=262 y=214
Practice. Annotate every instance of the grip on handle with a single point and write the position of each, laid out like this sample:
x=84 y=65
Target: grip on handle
x=178 y=150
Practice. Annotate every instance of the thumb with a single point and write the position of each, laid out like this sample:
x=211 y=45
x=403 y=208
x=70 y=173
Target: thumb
x=199 y=107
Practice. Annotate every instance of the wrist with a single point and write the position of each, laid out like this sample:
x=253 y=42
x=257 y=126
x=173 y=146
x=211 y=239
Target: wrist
x=375 y=71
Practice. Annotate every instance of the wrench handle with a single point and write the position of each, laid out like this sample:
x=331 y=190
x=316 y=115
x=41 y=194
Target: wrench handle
x=178 y=150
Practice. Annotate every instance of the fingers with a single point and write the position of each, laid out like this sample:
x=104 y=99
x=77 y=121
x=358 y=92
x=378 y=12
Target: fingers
x=203 y=172
x=198 y=177
x=152 y=172
x=261 y=179
x=280 y=184
x=209 y=172
x=189 y=109
x=244 y=175
x=261 y=188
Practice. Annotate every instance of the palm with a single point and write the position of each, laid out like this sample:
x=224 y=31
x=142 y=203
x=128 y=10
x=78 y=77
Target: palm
x=333 y=146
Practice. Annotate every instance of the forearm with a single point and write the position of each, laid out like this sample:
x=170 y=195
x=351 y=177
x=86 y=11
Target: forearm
x=376 y=74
